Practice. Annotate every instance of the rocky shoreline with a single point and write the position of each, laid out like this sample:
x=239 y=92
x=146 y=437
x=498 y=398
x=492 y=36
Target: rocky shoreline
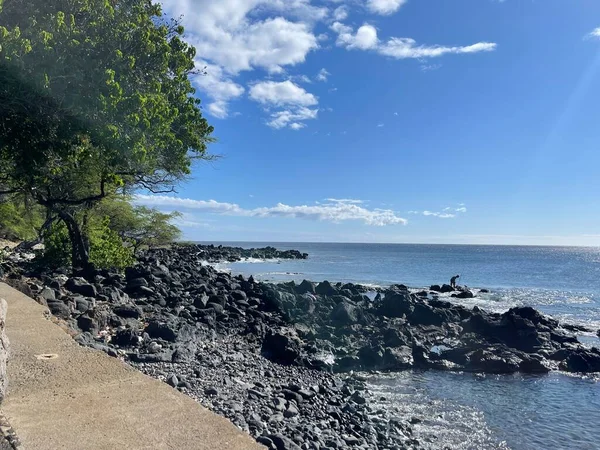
x=279 y=360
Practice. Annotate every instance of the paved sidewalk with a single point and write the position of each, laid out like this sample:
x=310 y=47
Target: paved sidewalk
x=78 y=398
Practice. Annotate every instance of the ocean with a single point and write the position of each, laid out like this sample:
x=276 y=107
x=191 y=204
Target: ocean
x=470 y=411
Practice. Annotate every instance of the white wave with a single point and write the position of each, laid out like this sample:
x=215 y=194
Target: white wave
x=258 y=260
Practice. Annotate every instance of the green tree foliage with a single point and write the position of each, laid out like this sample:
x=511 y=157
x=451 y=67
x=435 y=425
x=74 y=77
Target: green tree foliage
x=106 y=247
x=95 y=95
x=138 y=226
x=19 y=220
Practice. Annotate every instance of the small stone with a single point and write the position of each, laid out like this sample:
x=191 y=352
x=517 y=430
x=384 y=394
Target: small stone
x=172 y=380
x=212 y=391
x=291 y=411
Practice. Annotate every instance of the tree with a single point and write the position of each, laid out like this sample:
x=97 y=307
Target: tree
x=95 y=95
x=138 y=226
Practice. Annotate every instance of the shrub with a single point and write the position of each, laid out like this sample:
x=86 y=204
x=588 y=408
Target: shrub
x=107 y=249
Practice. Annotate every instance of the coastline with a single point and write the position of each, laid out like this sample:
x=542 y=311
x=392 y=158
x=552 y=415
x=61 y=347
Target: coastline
x=262 y=354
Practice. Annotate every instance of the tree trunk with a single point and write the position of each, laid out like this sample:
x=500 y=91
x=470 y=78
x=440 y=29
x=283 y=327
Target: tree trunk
x=80 y=253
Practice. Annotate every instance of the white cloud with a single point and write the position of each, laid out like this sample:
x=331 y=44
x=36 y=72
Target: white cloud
x=323 y=74
x=380 y=125
x=402 y=48
x=439 y=214
x=384 y=7
x=227 y=33
x=430 y=67
x=340 y=13
x=242 y=35
x=293 y=100
x=218 y=86
x=395 y=113
x=344 y=200
x=449 y=212
x=594 y=34
x=337 y=211
x=281 y=93
x=292 y=118
x=366 y=38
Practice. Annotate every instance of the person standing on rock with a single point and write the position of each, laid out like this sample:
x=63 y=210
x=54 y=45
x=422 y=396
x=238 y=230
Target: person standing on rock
x=453 y=281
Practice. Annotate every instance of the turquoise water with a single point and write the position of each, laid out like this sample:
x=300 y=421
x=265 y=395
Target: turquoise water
x=466 y=411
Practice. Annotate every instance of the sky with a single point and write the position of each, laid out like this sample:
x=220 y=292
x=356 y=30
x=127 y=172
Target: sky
x=417 y=121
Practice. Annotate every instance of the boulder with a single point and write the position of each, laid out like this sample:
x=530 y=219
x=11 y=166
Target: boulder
x=128 y=311
x=371 y=357
x=162 y=330
x=490 y=361
x=59 y=309
x=48 y=293
x=306 y=287
x=201 y=301
x=396 y=304
x=446 y=288
x=81 y=286
x=238 y=295
x=325 y=288
x=281 y=442
x=345 y=313
x=283 y=346
x=464 y=294
x=399 y=358
x=582 y=360
x=125 y=338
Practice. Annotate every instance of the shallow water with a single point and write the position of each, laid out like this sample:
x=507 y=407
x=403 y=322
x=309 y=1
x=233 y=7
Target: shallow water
x=467 y=411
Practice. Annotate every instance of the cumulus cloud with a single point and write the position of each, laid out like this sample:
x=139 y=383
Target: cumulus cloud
x=219 y=87
x=384 y=7
x=334 y=211
x=281 y=93
x=340 y=13
x=242 y=35
x=293 y=100
x=366 y=38
x=292 y=118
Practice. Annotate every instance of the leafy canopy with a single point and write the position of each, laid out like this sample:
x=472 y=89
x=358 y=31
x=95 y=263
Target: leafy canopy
x=100 y=84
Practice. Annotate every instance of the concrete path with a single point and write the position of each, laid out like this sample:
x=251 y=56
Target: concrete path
x=79 y=398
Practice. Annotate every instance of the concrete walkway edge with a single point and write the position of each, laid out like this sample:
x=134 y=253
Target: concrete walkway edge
x=64 y=396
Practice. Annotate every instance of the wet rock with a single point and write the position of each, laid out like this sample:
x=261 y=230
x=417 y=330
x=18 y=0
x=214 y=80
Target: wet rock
x=582 y=360
x=464 y=294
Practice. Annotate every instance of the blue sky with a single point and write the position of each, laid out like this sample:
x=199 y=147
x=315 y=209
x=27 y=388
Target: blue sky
x=463 y=121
